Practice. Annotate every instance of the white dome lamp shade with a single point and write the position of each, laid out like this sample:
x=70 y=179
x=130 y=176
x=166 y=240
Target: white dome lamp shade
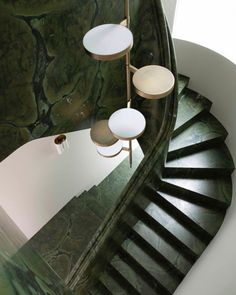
x=127 y=124
x=108 y=42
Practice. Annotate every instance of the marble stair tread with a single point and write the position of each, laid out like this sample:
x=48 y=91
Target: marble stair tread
x=182 y=83
x=208 y=219
x=160 y=273
x=219 y=188
x=140 y=270
x=98 y=204
x=190 y=105
x=178 y=215
x=64 y=238
x=205 y=132
x=164 y=233
x=217 y=157
x=99 y=289
x=110 y=282
x=214 y=192
x=153 y=253
x=166 y=266
x=165 y=248
x=182 y=232
x=196 y=172
x=129 y=272
x=121 y=280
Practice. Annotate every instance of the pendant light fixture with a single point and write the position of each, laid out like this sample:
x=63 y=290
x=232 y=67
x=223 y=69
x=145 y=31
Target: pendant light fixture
x=109 y=42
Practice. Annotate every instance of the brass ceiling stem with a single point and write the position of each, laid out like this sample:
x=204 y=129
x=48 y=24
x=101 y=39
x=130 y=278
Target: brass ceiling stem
x=128 y=79
x=127 y=15
x=130 y=153
x=127 y=57
x=128 y=76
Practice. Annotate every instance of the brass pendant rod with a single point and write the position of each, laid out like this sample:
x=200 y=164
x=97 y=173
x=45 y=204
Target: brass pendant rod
x=128 y=75
x=127 y=57
x=127 y=15
x=128 y=79
x=130 y=153
x=129 y=150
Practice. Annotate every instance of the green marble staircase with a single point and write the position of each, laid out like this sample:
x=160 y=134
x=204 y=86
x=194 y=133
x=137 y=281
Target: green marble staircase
x=166 y=226
x=172 y=219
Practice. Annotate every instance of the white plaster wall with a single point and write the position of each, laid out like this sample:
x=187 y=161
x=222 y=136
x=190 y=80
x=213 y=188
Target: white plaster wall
x=36 y=182
x=215 y=77
x=169 y=8
x=210 y=23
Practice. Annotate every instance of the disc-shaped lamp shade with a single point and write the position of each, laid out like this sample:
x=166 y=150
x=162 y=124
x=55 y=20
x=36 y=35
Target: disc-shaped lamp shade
x=101 y=135
x=110 y=151
x=108 y=42
x=127 y=124
x=153 y=82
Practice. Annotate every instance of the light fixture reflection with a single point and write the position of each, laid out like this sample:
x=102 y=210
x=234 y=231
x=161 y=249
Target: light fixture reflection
x=110 y=151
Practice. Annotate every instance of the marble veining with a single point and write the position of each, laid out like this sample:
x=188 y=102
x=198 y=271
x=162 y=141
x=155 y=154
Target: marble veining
x=49 y=85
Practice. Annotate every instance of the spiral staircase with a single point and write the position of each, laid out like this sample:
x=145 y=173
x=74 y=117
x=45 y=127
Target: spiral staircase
x=170 y=210
x=172 y=219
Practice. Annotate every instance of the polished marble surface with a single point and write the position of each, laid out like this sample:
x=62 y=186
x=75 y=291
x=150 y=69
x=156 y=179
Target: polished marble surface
x=175 y=217
x=190 y=104
x=22 y=270
x=49 y=85
x=213 y=157
x=206 y=128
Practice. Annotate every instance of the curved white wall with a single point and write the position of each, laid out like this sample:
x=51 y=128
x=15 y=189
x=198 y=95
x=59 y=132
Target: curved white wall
x=169 y=8
x=215 y=77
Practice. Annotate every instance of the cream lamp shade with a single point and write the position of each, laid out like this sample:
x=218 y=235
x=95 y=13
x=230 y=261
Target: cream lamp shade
x=153 y=82
x=101 y=135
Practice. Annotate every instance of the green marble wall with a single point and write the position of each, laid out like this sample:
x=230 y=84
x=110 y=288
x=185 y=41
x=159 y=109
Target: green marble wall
x=48 y=84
